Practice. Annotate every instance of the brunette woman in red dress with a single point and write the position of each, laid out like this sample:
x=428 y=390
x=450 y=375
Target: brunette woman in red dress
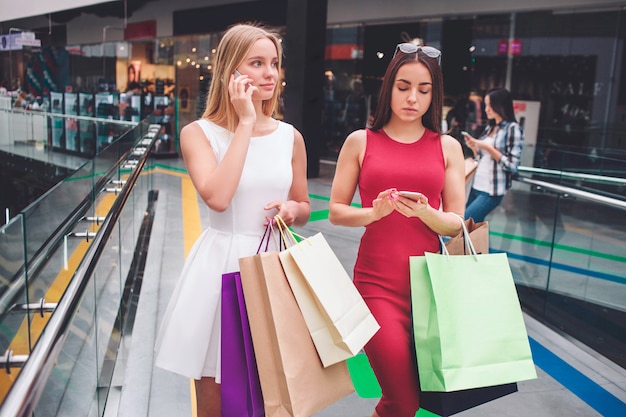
x=404 y=150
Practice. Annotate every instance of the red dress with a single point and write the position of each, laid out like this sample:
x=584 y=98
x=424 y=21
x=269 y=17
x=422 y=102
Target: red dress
x=381 y=272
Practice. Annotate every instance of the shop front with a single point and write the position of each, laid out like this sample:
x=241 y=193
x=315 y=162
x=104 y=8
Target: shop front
x=564 y=65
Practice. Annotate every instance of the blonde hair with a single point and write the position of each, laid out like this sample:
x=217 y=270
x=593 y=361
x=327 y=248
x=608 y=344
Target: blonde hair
x=231 y=52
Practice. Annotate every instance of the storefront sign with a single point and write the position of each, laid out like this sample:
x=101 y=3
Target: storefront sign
x=27 y=39
x=7 y=42
x=344 y=51
x=513 y=47
x=15 y=41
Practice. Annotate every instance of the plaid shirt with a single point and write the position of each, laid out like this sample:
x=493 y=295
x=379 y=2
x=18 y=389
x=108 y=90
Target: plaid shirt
x=508 y=140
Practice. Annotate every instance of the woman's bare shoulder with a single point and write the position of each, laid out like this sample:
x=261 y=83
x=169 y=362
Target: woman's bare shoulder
x=192 y=128
x=356 y=138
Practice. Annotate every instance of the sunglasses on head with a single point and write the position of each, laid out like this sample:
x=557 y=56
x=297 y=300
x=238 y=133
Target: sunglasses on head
x=411 y=48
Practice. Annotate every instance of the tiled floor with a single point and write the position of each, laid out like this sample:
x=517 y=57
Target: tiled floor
x=572 y=380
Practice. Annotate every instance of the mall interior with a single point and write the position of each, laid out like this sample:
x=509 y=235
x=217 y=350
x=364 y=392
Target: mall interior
x=99 y=214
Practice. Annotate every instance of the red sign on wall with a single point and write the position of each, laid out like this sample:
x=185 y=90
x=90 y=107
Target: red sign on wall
x=140 y=30
x=515 y=47
x=343 y=51
x=519 y=106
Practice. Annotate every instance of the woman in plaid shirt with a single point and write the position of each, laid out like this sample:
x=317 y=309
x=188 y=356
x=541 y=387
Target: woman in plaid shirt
x=498 y=151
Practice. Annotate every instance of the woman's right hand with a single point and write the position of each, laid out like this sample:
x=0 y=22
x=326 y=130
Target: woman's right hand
x=383 y=205
x=241 y=91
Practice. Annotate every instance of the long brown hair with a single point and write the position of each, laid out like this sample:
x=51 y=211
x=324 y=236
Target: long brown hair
x=231 y=52
x=501 y=102
x=432 y=117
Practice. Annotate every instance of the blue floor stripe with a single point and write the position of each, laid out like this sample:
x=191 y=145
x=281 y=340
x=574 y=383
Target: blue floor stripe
x=564 y=267
x=580 y=385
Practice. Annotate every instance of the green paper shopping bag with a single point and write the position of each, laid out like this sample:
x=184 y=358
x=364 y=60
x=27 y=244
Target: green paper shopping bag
x=468 y=325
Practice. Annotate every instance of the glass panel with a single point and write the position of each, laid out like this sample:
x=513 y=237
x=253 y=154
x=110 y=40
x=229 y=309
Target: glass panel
x=43 y=217
x=96 y=338
x=523 y=228
x=108 y=290
x=51 y=236
x=568 y=253
x=13 y=327
x=12 y=250
x=587 y=287
x=71 y=388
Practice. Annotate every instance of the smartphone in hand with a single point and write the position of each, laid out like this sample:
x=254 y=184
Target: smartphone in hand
x=464 y=133
x=413 y=195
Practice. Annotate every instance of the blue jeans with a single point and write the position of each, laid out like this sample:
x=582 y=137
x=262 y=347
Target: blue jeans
x=479 y=204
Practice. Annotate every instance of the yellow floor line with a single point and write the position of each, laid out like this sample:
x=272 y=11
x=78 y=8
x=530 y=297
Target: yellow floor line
x=192 y=228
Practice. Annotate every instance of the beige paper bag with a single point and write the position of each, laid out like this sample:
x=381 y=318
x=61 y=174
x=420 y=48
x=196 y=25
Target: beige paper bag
x=293 y=381
x=338 y=319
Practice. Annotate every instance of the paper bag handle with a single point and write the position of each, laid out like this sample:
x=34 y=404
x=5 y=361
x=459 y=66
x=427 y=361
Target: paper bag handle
x=288 y=235
x=466 y=237
x=267 y=235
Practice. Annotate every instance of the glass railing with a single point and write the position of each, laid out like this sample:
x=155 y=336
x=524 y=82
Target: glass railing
x=65 y=263
x=565 y=235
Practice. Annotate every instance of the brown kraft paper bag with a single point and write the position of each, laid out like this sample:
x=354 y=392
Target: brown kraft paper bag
x=479 y=233
x=294 y=382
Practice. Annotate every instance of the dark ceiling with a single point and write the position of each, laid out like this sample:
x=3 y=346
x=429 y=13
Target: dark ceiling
x=110 y=9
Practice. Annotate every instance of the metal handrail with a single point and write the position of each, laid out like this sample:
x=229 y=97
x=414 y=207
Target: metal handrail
x=22 y=398
x=574 y=175
x=607 y=201
x=70 y=116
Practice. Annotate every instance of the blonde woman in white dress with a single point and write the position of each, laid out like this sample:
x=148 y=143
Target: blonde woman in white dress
x=247 y=167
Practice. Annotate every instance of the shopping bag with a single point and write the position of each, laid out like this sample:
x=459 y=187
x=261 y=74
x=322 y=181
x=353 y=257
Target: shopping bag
x=468 y=325
x=479 y=235
x=435 y=403
x=240 y=390
x=336 y=315
x=293 y=381
x=445 y=404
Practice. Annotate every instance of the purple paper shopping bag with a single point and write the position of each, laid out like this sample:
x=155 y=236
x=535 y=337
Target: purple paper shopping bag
x=241 y=389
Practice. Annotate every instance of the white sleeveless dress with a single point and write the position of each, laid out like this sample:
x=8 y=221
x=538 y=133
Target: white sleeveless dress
x=188 y=342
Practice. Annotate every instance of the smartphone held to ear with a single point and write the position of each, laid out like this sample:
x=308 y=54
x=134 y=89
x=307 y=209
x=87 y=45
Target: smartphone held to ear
x=237 y=74
x=464 y=133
